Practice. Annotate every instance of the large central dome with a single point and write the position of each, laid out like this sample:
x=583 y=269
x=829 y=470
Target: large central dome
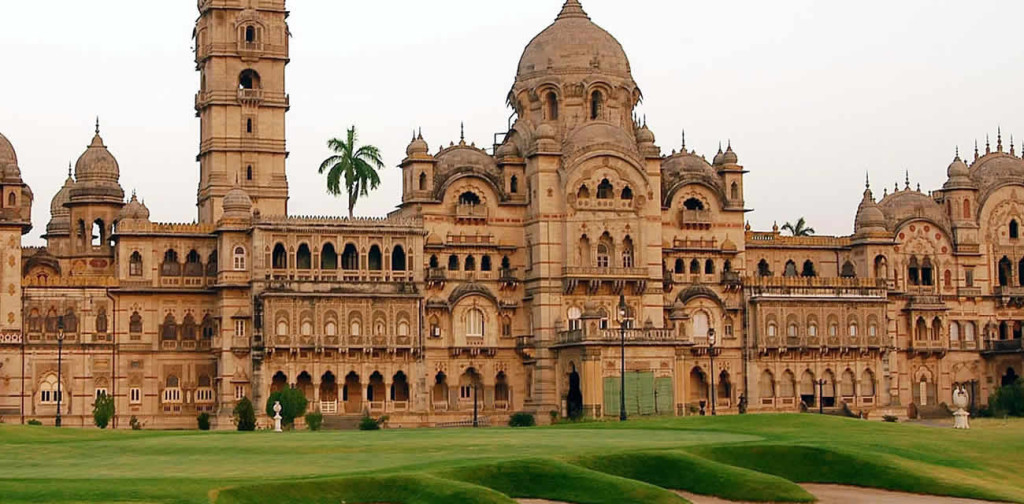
x=573 y=44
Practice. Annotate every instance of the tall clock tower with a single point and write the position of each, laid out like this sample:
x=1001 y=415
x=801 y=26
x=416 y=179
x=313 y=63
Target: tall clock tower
x=241 y=54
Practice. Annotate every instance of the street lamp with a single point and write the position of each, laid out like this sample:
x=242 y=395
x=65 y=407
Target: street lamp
x=821 y=396
x=623 y=311
x=60 y=380
x=711 y=354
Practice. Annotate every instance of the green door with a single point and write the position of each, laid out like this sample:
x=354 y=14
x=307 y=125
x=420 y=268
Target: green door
x=611 y=396
x=663 y=396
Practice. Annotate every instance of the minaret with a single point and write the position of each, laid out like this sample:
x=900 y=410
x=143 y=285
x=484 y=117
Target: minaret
x=241 y=54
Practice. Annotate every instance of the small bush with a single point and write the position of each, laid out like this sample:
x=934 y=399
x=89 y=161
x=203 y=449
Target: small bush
x=35 y=422
x=554 y=416
x=293 y=405
x=245 y=415
x=314 y=421
x=1008 y=400
x=522 y=420
x=103 y=411
x=890 y=418
x=204 y=421
x=368 y=423
x=134 y=423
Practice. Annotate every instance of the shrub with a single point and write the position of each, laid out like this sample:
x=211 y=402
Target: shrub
x=314 y=421
x=35 y=422
x=103 y=410
x=204 y=421
x=134 y=423
x=368 y=423
x=245 y=415
x=521 y=420
x=890 y=418
x=293 y=405
x=1008 y=400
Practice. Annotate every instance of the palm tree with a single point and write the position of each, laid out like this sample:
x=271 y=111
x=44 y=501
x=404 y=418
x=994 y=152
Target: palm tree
x=798 y=229
x=358 y=166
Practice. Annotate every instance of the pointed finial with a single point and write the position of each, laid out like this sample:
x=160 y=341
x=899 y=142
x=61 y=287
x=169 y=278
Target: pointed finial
x=462 y=132
x=867 y=180
x=684 y=141
x=988 y=145
x=1013 y=148
x=918 y=187
x=885 y=192
x=999 y=138
x=69 y=169
x=729 y=146
x=572 y=9
x=896 y=187
x=975 y=150
x=957 y=156
x=97 y=125
x=908 y=179
x=719 y=147
x=421 y=133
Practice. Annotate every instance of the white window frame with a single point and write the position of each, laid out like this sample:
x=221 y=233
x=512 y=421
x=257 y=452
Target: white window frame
x=135 y=395
x=238 y=260
x=172 y=395
x=204 y=395
x=240 y=328
x=475 y=323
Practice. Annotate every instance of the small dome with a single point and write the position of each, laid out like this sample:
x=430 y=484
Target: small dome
x=546 y=131
x=7 y=154
x=60 y=215
x=957 y=168
x=97 y=173
x=869 y=217
x=644 y=135
x=729 y=245
x=417 y=146
x=729 y=156
x=237 y=204
x=719 y=158
x=507 y=149
x=134 y=210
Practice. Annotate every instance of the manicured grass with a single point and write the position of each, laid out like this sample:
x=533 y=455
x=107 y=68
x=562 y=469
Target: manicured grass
x=683 y=471
x=550 y=479
x=750 y=457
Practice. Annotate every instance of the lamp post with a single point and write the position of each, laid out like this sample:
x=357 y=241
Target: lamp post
x=476 y=422
x=623 y=311
x=821 y=396
x=711 y=354
x=60 y=380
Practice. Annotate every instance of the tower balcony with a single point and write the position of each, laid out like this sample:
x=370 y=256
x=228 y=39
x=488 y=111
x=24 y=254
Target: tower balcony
x=647 y=336
x=695 y=219
x=250 y=50
x=251 y=97
x=593 y=277
x=471 y=213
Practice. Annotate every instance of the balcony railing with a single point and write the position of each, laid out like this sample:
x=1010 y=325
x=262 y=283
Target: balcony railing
x=250 y=96
x=597 y=273
x=471 y=212
x=695 y=218
x=1004 y=346
x=632 y=336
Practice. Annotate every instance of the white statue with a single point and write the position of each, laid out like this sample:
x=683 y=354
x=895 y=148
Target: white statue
x=277 y=416
x=960 y=400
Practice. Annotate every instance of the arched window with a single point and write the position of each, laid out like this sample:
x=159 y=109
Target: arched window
x=575 y=322
x=734 y=191
x=694 y=267
x=790 y=269
x=583 y=192
x=250 y=34
x=475 y=323
x=398 y=259
x=98 y=233
x=470 y=263
x=936 y=329
x=1005 y=271
x=808 y=269
x=355 y=328
x=375 y=259
x=434 y=263
x=303 y=258
x=506 y=263
x=453 y=263
x=70 y=321
x=513 y=185
x=604 y=251
x=331 y=328
x=700 y=324
x=969 y=331
x=727 y=267
x=914 y=271
x=193 y=264
x=787 y=385
x=135 y=264
x=101 y=321
x=469 y=198
x=792 y=331
x=680 y=267
x=552 y=111
x=280 y=257
x=709 y=267
x=766 y=385
x=867 y=383
x=846 y=388
x=693 y=204
x=947 y=279
x=485 y=263
x=350 y=257
x=238 y=259
x=12 y=200
x=249 y=79
x=627 y=253
x=248 y=172
x=954 y=331
x=627 y=193
x=812 y=329
x=596 y=104
x=135 y=323
x=170 y=266
x=773 y=330
x=328 y=257
x=1014 y=229
x=967 y=209
x=881 y=267
x=188 y=328
x=848 y=270
x=169 y=330
x=423 y=181
x=604 y=190
x=49 y=390
x=927 y=278
x=248 y=129
x=763 y=269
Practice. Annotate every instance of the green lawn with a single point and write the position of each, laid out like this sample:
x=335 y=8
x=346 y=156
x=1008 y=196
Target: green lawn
x=751 y=457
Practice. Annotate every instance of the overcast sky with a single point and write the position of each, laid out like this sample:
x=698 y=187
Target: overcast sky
x=813 y=94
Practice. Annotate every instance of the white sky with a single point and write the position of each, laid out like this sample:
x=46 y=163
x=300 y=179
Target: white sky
x=812 y=93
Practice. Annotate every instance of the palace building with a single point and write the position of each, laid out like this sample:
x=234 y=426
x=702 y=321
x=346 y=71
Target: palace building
x=498 y=280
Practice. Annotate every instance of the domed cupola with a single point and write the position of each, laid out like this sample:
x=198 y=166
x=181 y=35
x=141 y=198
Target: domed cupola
x=9 y=169
x=60 y=216
x=135 y=210
x=16 y=208
x=870 y=219
x=959 y=175
x=719 y=158
x=97 y=175
x=237 y=205
x=729 y=157
x=418 y=146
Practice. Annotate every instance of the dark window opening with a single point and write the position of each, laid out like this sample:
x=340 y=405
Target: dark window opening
x=1014 y=230
x=927 y=278
x=423 y=181
x=469 y=198
x=693 y=204
x=694 y=267
x=808 y=270
x=790 y=269
x=434 y=263
x=280 y=257
x=709 y=267
x=513 y=185
x=470 y=263
x=453 y=263
x=250 y=34
x=596 y=103
x=604 y=191
x=398 y=259
x=350 y=257
x=914 y=272
x=375 y=259
x=328 y=257
x=1005 y=271
x=583 y=193
x=248 y=172
x=249 y=79
x=485 y=263
x=680 y=267
x=848 y=270
x=627 y=193
x=763 y=269
x=552 y=106
x=303 y=258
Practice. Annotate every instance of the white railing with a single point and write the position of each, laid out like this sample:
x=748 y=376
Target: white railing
x=329 y=407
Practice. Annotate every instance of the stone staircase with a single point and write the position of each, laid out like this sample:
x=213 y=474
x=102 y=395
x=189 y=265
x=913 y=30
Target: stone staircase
x=341 y=422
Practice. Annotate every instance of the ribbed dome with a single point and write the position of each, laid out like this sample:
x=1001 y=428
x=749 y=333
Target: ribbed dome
x=7 y=154
x=573 y=44
x=237 y=204
x=417 y=146
x=645 y=135
x=134 y=210
x=719 y=158
x=959 y=174
x=97 y=174
x=729 y=156
x=507 y=149
x=870 y=218
x=60 y=215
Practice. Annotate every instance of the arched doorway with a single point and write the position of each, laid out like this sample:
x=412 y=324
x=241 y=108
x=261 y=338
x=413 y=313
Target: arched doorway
x=305 y=384
x=502 y=394
x=574 y=400
x=328 y=394
x=439 y=393
x=279 y=382
x=352 y=394
x=698 y=386
x=828 y=390
x=1010 y=377
x=807 y=385
x=400 y=391
x=724 y=387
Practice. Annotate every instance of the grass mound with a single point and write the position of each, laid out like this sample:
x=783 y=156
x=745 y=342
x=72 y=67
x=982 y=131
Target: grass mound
x=684 y=471
x=811 y=464
x=396 y=489
x=550 y=479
